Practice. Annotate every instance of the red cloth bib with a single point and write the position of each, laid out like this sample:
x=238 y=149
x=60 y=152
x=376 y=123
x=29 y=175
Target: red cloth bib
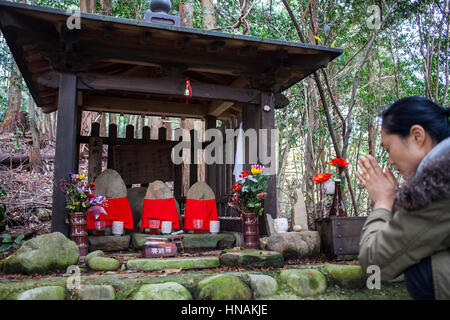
x=160 y=209
x=200 y=209
x=117 y=210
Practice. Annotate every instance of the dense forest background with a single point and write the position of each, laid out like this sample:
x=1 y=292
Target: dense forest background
x=392 y=49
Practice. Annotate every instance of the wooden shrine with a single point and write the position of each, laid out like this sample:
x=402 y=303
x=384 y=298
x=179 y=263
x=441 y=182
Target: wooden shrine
x=125 y=66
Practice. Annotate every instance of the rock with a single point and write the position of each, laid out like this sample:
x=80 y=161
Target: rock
x=44 y=214
x=103 y=264
x=158 y=190
x=262 y=285
x=346 y=276
x=96 y=292
x=109 y=243
x=52 y=251
x=191 y=241
x=300 y=212
x=297 y=228
x=295 y=244
x=96 y=253
x=175 y=263
x=304 y=282
x=200 y=191
x=252 y=258
x=239 y=239
x=223 y=287
x=263 y=241
x=43 y=293
x=136 y=199
x=110 y=184
x=270 y=225
x=163 y=291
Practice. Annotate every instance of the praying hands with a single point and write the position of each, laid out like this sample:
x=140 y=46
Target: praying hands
x=380 y=185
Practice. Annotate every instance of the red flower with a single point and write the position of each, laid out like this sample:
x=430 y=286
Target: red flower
x=340 y=162
x=320 y=177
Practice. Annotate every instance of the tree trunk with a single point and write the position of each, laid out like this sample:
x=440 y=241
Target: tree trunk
x=34 y=151
x=10 y=123
x=209 y=14
x=88 y=6
x=106 y=7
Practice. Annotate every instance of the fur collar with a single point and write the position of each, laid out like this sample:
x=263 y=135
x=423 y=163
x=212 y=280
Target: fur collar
x=431 y=184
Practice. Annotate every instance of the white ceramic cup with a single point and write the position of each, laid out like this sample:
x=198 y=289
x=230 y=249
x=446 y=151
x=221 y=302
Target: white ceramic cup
x=117 y=228
x=281 y=225
x=166 y=227
x=214 y=226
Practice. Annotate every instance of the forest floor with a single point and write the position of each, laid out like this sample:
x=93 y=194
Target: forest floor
x=26 y=192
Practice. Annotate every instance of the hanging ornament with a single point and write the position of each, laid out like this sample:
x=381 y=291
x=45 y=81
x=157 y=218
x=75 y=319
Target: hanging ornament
x=188 y=90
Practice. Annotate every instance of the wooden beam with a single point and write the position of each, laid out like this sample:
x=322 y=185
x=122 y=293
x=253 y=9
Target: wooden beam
x=65 y=153
x=168 y=86
x=217 y=108
x=144 y=106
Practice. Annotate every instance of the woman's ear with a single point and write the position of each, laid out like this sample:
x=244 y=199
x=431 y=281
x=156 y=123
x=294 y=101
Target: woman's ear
x=417 y=134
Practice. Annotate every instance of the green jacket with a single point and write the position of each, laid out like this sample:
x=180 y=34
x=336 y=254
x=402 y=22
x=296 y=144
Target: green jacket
x=418 y=228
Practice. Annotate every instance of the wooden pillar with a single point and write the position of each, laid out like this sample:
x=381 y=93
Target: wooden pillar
x=266 y=120
x=66 y=143
x=211 y=172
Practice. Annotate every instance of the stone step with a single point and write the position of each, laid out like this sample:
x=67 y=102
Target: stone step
x=191 y=241
x=265 y=285
x=251 y=258
x=177 y=263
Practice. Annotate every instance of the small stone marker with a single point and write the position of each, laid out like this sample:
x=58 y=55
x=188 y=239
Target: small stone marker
x=300 y=212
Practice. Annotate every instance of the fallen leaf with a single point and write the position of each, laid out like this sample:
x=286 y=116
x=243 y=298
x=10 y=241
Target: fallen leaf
x=170 y=271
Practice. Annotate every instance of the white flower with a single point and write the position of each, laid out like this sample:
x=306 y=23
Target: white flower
x=250 y=177
x=244 y=189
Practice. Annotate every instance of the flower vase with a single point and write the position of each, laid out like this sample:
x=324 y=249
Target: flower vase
x=250 y=230
x=78 y=232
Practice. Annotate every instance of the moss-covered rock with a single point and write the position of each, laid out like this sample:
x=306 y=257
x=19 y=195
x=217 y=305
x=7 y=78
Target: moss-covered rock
x=43 y=293
x=48 y=252
x=96 y=292
x=163 y=291
x=177 y=263
x=346 y=276
x=103 y=264
x=192 y=241
x=252 y=258
x=302 y=244
x=223 y=287
x=96 y=253
x=305 y=282
x=262 y=285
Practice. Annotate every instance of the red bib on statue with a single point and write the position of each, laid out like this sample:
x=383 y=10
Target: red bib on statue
x=160 y=209
x=200 y=209
x=117 y=210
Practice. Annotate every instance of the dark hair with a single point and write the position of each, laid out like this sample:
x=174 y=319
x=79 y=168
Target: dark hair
x=399 y=117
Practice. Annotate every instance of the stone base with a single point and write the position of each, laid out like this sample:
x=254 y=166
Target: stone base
x=192 y=241
x=109 y=243
x=177 y=263
x=303 y=244
x=252 y=258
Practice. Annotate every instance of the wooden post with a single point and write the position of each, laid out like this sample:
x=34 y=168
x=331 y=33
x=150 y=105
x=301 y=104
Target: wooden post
x=95 y=153
x=66 y=143
x=266 y=120
x=211 y=172
x=112 y=133
x=193 y=168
